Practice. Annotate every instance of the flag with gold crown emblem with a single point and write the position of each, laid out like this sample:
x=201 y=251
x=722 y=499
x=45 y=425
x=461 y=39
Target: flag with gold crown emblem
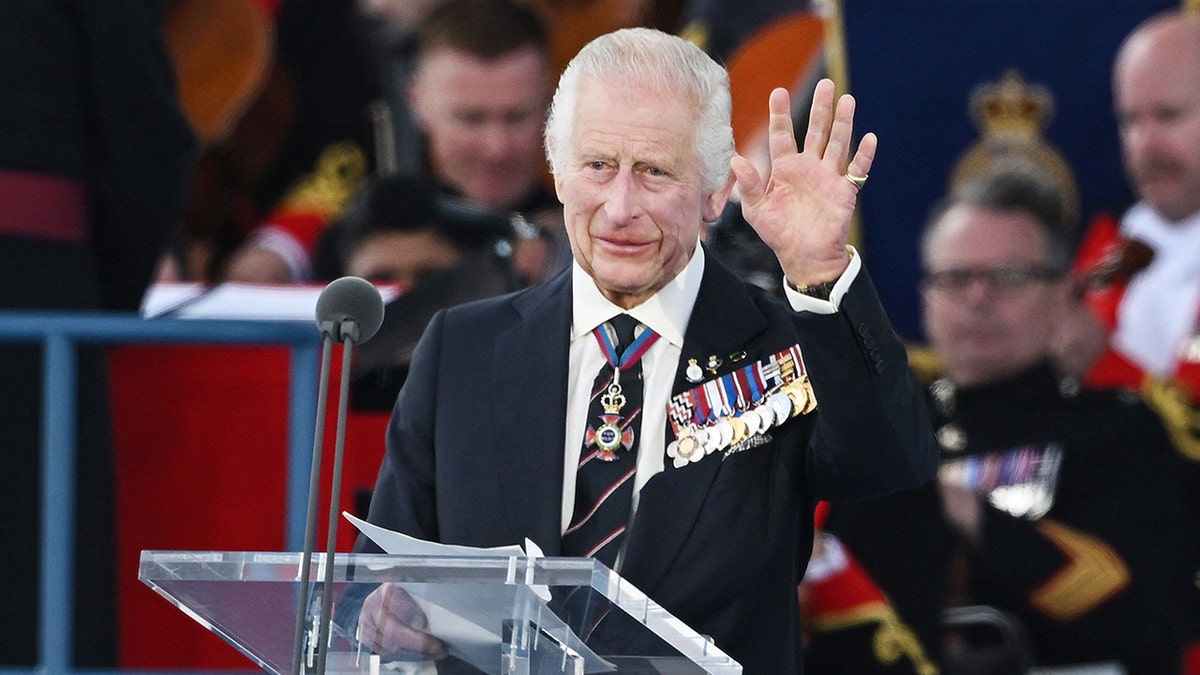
x=914 y=67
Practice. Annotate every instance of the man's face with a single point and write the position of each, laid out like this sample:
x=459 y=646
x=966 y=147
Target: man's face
x=987 y=295
x=632 y=190
x=1156 y=87
x=402 y=257
x=483 y=122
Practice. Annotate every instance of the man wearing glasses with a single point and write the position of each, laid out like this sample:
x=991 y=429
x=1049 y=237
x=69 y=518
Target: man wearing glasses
x=1060 y=501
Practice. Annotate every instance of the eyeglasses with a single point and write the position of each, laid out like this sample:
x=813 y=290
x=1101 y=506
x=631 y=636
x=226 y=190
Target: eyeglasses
x=1009 y=278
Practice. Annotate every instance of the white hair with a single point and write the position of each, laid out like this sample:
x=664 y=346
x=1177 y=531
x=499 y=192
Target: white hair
x=669 y=65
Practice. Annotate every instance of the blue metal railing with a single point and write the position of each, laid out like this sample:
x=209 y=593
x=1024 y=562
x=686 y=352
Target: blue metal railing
x=60 y=334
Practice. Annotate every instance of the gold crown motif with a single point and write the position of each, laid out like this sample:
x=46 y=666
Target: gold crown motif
x=613 y=400
x=1011 y=115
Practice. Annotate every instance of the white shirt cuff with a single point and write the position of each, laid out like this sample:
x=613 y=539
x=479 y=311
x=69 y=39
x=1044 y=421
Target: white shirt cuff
x=805 y=303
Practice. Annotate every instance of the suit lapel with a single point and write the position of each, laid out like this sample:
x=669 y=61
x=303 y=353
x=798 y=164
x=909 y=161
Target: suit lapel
x=529 y=392
x=723 y=321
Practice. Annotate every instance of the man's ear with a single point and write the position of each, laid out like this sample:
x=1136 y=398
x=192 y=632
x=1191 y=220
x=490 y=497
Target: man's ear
x=559 y=186
x=714 y=203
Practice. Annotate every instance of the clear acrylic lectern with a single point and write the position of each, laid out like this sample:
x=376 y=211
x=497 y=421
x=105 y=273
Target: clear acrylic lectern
x=511 y=615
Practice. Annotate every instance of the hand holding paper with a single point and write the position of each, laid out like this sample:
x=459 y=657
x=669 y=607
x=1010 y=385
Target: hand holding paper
x=396 y=623
x=391 y=623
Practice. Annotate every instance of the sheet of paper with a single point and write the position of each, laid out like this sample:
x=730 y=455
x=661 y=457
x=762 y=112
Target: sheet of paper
x=467 y=621
x=398 y=543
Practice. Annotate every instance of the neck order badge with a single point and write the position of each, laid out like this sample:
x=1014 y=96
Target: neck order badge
x=615 y=432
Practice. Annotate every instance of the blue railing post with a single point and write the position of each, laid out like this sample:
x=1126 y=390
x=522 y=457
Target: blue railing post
x=60 y=335
x=58 y=503
x=302 y=409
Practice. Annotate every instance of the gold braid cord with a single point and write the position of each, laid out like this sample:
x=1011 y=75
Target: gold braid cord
x=1178 y=414
x=893 y=639
x=338 y=173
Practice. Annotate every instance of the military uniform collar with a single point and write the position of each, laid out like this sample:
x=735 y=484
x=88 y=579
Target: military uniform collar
x=1040 y=381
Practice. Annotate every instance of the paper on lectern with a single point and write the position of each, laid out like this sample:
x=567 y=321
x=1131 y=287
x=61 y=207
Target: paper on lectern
x=398 y=543
x=458 y=619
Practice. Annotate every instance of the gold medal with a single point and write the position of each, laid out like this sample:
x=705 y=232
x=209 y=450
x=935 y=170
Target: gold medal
x=798 y=396
x=739 y=430
x=810 y=396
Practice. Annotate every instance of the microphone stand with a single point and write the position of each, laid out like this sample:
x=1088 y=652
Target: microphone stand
x=348 y=341
x=349 y=332
x=350 y=310
x=327 y=331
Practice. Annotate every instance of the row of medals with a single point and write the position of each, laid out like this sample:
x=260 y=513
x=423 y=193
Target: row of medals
x=693 y=443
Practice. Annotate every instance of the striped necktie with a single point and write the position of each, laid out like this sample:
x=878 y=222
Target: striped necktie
x=608 y=461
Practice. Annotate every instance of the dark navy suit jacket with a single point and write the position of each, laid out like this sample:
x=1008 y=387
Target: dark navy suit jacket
x=475 y=450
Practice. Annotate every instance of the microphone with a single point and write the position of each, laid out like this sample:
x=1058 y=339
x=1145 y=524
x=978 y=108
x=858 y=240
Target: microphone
x=349 y=310
x=350 y=307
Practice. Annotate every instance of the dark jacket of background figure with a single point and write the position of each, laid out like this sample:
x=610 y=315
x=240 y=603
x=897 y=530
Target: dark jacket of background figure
x=1116 y=483
x=88 y=97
